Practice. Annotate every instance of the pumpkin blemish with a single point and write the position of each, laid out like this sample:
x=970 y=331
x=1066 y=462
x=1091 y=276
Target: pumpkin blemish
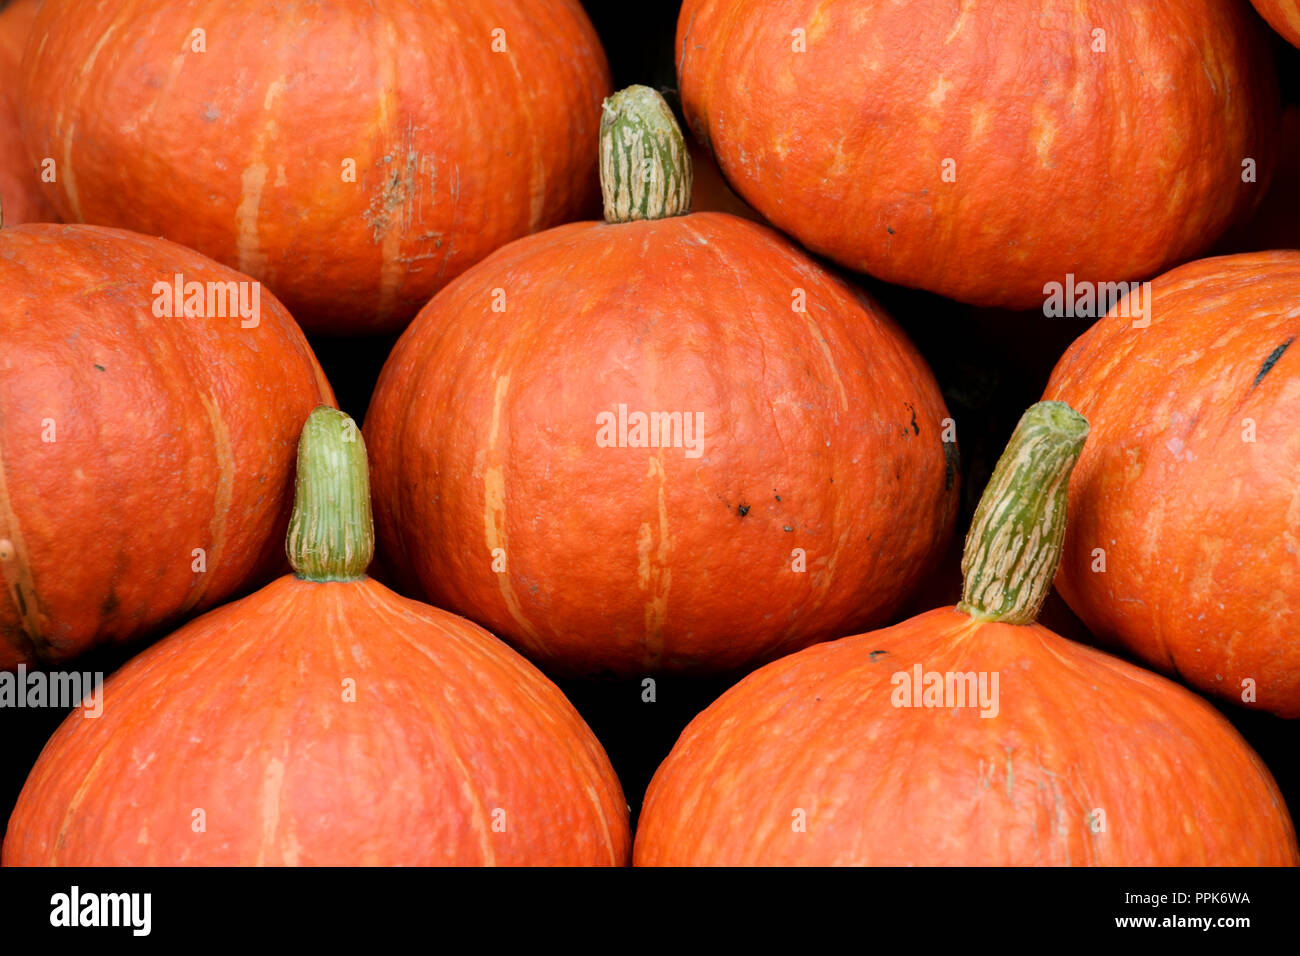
x=1271 y=361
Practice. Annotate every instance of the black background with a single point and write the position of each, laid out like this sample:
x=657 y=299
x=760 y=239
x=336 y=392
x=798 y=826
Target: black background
x=991 y=365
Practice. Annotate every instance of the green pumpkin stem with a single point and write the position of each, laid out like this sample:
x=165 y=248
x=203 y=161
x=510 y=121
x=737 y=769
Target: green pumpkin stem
x=645 y=167
x=331 y=534
x=1014 y=544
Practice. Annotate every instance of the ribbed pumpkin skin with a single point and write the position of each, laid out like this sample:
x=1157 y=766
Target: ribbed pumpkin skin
x=241 y=713
x=170 y=434
x=1199 y=527
x=239 y=152
x=1077 y=731
x=1283 y=16
x=822 y=431
x=22 y=195
x=844 y=146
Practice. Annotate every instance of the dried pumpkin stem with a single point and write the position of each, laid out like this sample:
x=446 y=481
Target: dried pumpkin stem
x=1014 y=544
x=331 y=533
x=645 y=168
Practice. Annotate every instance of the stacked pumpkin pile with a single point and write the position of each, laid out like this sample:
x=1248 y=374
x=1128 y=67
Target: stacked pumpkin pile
x=671 y=442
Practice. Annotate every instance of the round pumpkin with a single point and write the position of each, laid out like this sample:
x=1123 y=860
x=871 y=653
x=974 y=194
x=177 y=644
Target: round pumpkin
x=664 y=442
x=324 y=721
x=353 y=155
x=882 y=135
x=23 y=197
x=145 y=454
x=968 y=736
x=1283 y=16
x=1185 y=545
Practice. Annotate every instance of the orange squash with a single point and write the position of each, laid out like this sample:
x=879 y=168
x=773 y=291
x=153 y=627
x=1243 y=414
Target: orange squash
x=145 y=458
x=664 y=442
x=324 y=721
x=982 y=150
x=968 y=736
x=23 y=196
x=1185 y=544
x=354 y=155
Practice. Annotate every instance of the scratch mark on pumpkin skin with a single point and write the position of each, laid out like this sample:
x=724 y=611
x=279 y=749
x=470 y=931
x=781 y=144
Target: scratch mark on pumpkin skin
x=494 y=512
x=1272 y=360
x=451 y=229
x=73 y=805
x=681 y=57
x=390 y=212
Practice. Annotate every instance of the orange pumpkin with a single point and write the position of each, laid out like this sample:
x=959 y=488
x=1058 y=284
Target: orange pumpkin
x=144 y=458
x=324 y=721
x=968 y=736
x=23 y=196
x=982 y=150
x=1283 y=16
x=1185 y=545
x=663 y=442
x=354 y=155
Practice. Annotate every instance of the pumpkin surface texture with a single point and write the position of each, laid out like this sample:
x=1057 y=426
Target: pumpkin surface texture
x=1283 y=16
x=1185 y=541
x=968 y=735
x=353 y=155
x=24 y=197
x=324 y=720
x=145 y=459
x=882 y=135
x=787 y=474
